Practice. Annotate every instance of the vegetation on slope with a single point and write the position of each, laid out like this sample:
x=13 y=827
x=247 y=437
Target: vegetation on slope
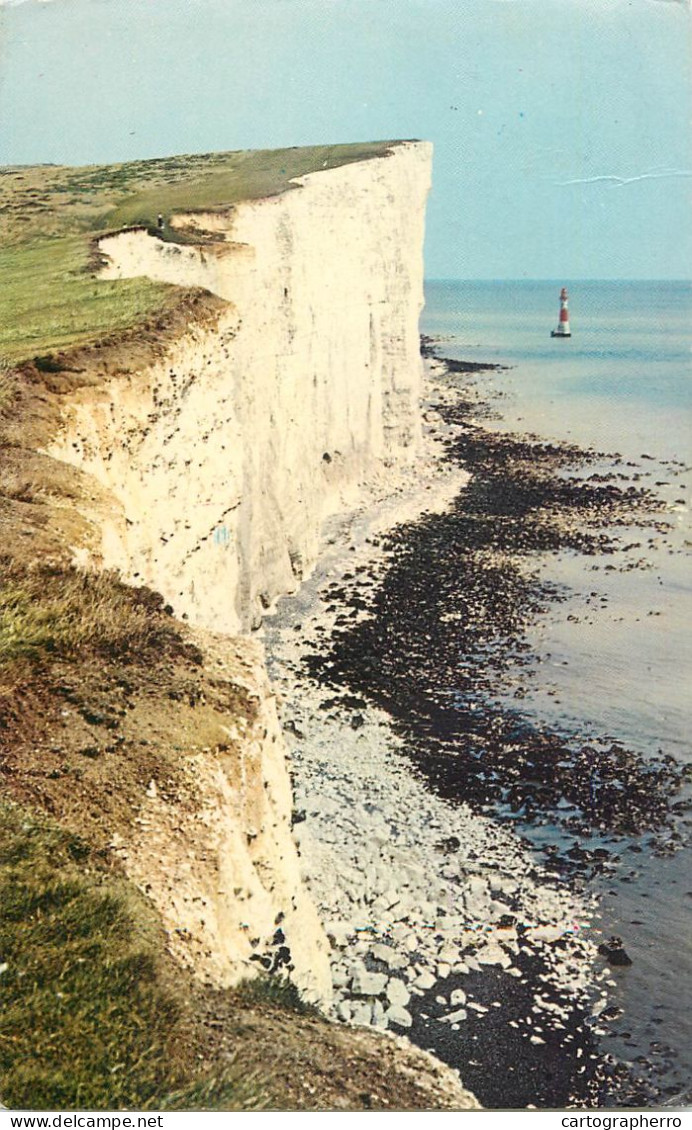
x=87 y=1018
x=51 y=301
x=50 y=216
x=96 y=1013
x=65 y=611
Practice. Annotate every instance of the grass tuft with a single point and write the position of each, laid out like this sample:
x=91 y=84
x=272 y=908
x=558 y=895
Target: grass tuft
x=276 y=990
x=230 y=1089
x=68 y=611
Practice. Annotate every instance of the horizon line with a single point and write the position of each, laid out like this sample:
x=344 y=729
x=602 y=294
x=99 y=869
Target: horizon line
x=559 y=280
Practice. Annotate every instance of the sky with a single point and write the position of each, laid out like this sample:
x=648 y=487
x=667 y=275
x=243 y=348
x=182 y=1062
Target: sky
x=561 y=128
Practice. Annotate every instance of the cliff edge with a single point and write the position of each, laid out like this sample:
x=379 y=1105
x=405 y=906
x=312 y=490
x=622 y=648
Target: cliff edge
x=224 y=456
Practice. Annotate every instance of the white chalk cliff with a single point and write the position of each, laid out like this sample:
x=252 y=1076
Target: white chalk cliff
x=226 y=455
x=222 y=458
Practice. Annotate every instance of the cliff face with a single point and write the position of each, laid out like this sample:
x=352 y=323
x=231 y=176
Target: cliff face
x=200 y=460
x=216 y=855
x=217 y=462
x=224 y=456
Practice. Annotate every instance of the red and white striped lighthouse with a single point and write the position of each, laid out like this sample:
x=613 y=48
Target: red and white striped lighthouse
x=563 y=329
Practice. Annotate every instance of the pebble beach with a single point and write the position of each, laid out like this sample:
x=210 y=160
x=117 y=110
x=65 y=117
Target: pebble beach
x=444 y=925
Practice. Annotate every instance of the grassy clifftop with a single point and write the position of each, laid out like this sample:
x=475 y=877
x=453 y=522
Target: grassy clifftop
x=49 y=216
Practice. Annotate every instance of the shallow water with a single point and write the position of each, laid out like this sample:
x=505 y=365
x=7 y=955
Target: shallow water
x=615 y=659
x=622 y=383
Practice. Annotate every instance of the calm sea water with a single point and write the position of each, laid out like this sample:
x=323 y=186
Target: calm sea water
x=624 y=377
x=622 y=384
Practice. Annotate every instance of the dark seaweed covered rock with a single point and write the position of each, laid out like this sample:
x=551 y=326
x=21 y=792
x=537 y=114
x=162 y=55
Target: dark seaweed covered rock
x=614 y=951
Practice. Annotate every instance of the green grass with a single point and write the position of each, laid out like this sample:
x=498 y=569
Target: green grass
x=248 y=175
x=50 y=300
x=89 y=1019
x=66 y=612
x=85 y=1019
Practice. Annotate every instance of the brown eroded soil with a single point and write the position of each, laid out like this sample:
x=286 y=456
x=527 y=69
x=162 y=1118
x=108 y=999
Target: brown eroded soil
x=310 y=1064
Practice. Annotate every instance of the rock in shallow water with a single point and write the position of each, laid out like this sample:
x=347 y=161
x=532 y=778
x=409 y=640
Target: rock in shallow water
x=399 y=1016
x=614 y=952
x=454 y=1017
x=424 y=981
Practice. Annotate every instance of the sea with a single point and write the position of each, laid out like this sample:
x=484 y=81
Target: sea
x=621 y=386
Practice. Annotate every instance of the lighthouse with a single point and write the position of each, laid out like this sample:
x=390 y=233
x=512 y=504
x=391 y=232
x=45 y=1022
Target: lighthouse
x=563 y=329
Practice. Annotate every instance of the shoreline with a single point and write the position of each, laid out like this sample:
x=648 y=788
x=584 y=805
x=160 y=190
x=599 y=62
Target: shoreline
x=382 y=626
x=433 y=911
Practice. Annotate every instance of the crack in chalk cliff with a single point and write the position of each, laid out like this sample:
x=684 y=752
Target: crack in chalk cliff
x=222 y=537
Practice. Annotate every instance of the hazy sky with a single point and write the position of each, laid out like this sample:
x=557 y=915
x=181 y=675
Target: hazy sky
x=563 y=146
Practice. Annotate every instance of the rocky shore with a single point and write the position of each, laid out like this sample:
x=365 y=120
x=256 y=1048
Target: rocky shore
x=422 y=900
x=444 y=923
